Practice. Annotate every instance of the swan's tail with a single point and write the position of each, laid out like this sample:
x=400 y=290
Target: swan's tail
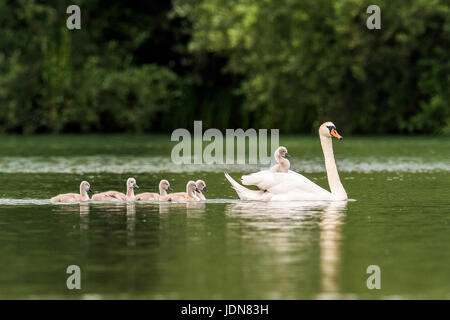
x=243 y=192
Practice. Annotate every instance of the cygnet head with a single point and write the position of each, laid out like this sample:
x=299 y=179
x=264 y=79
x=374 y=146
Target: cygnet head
x=201 y=185
x=282 y=152
x=131 y=183
x=191 y=187
x=85 y=187
x=328 y=130
x=165 y=185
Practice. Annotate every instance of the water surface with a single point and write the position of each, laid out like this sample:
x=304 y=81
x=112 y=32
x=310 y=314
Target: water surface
x=223 y=248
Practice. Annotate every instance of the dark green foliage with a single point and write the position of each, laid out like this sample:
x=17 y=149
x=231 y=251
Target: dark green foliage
x=56 y=80
x=154 y=66
x=307 y=61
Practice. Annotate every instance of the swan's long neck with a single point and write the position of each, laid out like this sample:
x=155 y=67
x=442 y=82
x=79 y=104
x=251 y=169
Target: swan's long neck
x=130 y=193
x=334 y=182
x=162 y=191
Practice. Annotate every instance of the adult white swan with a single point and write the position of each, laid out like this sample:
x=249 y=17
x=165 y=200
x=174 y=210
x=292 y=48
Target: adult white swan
x=291 y=186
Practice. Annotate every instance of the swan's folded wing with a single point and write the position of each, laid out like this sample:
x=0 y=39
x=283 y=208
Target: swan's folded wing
x=295 y=182
x=278 y=183
x=264 y=179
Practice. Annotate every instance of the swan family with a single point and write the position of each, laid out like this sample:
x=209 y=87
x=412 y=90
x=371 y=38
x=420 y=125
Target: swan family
x=281 y=184
x=277 y=183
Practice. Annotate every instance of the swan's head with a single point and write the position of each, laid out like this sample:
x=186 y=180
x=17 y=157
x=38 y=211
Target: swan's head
x=165 y=185
x=131 y=183
x=85 y=186
x=328 y=130
x=201 y=185
x=191 y=187
x=282 y=152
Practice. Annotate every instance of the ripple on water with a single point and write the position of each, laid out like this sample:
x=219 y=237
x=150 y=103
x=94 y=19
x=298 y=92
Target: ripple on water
x=123 y=164
x=14 y=202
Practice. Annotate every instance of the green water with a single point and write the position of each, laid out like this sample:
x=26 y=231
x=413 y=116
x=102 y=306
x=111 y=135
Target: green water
x=224 y=248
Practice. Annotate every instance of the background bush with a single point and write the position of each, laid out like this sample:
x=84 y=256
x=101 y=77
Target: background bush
x=153 y=67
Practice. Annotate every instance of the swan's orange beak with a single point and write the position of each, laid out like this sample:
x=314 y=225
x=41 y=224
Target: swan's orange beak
x=335 y=134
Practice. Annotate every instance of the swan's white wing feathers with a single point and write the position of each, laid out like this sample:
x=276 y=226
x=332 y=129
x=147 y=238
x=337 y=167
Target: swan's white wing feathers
x=281 y=187
x=283 y=183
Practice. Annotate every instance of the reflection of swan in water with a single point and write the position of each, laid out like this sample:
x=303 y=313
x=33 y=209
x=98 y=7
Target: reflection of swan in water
x=191 y=207
x=84 y=208
x=278 y=222
x=291 y=209
x=287 y=222
x=195 y=206
x=84 y=219
x=113 y=207
x=167 y=207
x=131 y=225
x=195 y=209
x=330 y=237
x=132 y=280
x=120 y=209
x=84 y=226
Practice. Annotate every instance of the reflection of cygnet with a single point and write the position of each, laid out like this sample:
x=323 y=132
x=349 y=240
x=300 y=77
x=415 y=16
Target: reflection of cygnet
x=131 y=208
x=189 y=195
x=280 y=157
x=116 y=195
x=164 y=185
x=75 y=197
x=84 y=208
x=201 y=186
